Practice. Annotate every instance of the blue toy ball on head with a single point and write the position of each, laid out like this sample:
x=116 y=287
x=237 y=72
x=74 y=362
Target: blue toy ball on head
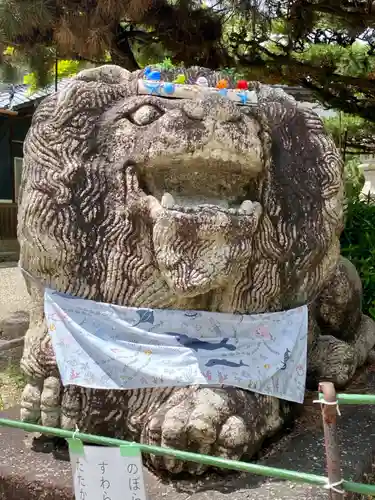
x=153 y=75
x=169 y=88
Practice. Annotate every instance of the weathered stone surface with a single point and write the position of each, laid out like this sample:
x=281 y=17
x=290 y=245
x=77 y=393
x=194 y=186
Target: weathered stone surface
x=191 y=204
x=339 y=303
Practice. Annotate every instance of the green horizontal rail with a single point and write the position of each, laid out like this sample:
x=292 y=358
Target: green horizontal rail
x=260 y=470
x=353 y=399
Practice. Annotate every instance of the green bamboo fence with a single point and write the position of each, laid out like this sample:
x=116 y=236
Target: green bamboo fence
x=252 y=468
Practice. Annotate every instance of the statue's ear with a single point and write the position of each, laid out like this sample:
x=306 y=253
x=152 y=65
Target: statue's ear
x=266 y=94
x=109 y=73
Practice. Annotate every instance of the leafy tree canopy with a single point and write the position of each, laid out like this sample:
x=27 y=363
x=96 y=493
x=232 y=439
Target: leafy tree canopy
x=352 y=134
x=325 y=45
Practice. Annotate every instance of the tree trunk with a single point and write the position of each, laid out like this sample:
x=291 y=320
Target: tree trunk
x=121 y=51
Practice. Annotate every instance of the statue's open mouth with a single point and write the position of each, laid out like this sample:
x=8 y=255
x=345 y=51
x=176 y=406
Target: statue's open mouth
x=168 y=202
x=199 y=242
x=215 y=178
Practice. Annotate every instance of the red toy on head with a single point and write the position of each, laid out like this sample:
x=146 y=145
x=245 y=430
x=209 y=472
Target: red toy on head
x=242 y=85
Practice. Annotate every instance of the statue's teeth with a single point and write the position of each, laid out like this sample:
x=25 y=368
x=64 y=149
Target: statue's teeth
x=167 y=201
x=247 y=206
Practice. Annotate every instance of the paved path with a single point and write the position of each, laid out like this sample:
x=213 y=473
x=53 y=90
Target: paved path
x=14 y=308
x=13 y=293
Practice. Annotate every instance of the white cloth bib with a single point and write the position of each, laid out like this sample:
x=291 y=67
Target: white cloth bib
x=103 y=346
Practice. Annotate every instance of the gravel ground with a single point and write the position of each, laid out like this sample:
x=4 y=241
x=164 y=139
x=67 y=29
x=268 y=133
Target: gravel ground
x=13 y=299
x=13 y=293
x=12 y=381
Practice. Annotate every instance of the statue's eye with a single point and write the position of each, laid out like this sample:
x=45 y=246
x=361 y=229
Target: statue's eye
x=145 y=115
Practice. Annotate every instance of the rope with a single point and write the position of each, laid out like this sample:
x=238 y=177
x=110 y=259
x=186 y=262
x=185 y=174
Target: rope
x=75 y=432
x=329 y=403
x=332 y=487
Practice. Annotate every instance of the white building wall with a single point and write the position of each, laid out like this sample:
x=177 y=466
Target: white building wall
x=368 y=170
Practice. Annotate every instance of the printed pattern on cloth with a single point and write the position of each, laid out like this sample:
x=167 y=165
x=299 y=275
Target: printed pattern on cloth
x=104 y=346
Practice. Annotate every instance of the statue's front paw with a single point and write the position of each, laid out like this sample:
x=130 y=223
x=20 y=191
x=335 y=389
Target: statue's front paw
x=225 y=422
x=41 y=398
x=41 y=401
x=30 y=402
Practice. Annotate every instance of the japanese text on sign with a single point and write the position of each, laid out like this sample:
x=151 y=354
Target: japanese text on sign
x=103 y=473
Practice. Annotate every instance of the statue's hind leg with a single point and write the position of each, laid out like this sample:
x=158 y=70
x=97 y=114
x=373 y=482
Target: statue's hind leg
x=347 y=335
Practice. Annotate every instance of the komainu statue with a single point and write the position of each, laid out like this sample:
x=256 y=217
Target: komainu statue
x=186 y=204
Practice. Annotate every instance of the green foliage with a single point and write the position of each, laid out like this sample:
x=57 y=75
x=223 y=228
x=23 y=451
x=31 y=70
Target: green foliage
x=146 y=54
x=354 y=179
x=353 y=125
x=12 y=68
x=358 y=245
x=351 y=133
x=165 y=65
x=353 y=60
x=353 y=130
x=272 y=42
x=318 y=44
x=10 y=73
x=358 y=237
x=234 y=73
x=65 y=69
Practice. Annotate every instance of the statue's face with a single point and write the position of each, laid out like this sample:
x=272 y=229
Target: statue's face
x=195 y=160
x=203 y=150
x=143 y=200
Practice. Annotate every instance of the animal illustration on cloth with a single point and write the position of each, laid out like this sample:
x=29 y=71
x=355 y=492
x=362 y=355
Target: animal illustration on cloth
x=287 y=355
x=224 y=362
x=196 y=344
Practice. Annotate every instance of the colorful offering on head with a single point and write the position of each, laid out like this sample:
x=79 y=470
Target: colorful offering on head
x=180 y=79
x=242 y=85
x=222 y=84
x=155 y=82
x=202 y=81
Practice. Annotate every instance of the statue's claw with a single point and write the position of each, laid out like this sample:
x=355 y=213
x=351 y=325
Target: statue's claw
x=210 y=422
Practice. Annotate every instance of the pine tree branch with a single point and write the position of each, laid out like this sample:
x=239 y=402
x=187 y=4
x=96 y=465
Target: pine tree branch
x=121 y=50
x=351 y=12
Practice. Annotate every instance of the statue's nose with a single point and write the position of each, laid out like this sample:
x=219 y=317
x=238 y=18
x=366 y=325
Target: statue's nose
x=212 y=106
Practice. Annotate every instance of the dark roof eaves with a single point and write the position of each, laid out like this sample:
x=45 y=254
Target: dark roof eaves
x=22 y=99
